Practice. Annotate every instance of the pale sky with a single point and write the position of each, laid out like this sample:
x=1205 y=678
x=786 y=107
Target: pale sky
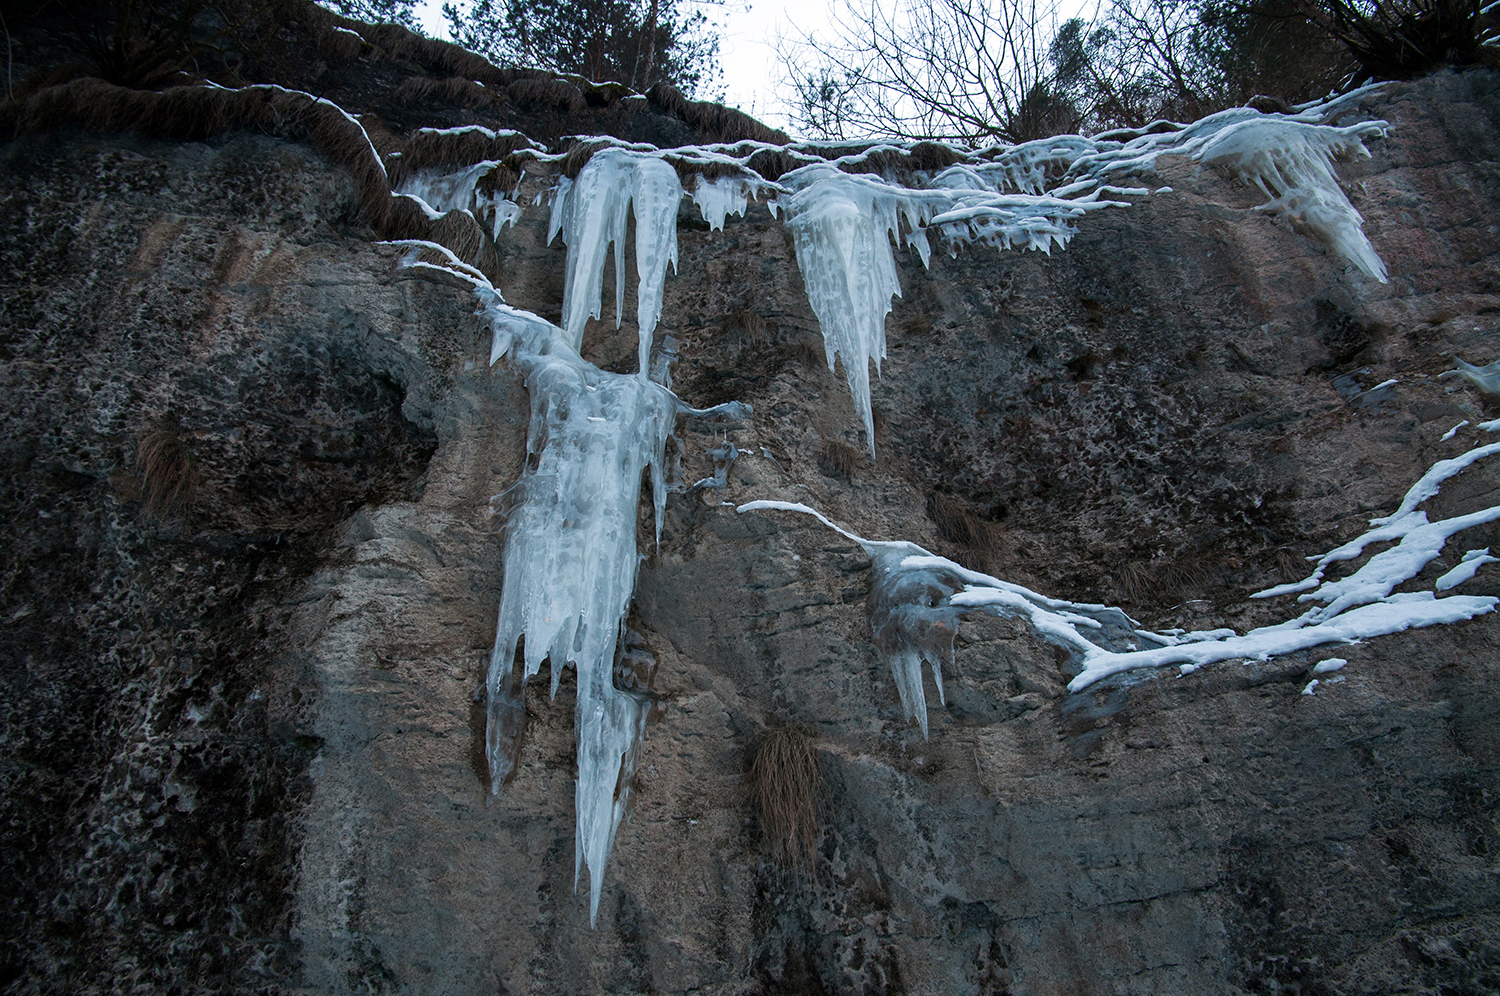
x=747 y=45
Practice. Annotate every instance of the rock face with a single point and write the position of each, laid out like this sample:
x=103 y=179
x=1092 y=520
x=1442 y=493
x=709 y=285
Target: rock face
x=242 y=751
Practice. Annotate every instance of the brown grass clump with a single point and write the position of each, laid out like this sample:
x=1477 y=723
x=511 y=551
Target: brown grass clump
x=959 y=525
x=403 y=45
x=749 y=327
x=784 y=785
x=199 y=111
x=578 y=157
x=932 y=156
x=454 y=90
x=716 y=122
x=451 y=150
x=169 y=479
x=838 y=459
x=338 y=45
x=502 y=180
x=548 y=94
x=773 y=164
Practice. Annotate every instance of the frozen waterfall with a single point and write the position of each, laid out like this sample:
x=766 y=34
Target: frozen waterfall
x=571 y=552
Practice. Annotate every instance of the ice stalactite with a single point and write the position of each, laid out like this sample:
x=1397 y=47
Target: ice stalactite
x=443 y=192
x=591 y=213
x=917 y=599
x=571 y=555
x=1288 y=156
x=916 y=603
x=571 y=561
x=1486 y=378
x=842 y=226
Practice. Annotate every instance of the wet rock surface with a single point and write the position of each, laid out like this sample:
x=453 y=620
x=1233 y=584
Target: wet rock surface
x=241 y=748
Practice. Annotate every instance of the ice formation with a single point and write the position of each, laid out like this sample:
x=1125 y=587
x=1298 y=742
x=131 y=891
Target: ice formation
x=1486 y=378
x=841 y=229
x=459 y=191
x=917 y=599
x=591 y=214
x=570 y=553
x=571 y=550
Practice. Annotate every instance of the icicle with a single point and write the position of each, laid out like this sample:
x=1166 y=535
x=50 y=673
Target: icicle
x=718 y=198
x=591 y=214
x=1292 y=163
x=571 y=561
x=841 y=230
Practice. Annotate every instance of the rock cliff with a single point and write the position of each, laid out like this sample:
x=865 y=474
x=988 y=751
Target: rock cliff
x=242 y=751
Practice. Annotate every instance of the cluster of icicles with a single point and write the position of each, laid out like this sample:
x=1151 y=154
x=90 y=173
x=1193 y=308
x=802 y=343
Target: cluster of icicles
x=571 y=556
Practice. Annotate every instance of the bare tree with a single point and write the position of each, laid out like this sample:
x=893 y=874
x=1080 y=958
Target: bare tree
x=964 y=70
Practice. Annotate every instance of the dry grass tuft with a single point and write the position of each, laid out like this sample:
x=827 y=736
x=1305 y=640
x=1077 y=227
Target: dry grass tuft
x=773 y=164
x=784 y=785
x=932 y=156
x=338 y=45
x=838 y=459
x=960 y=525
x=578 y=157
x=447 y=151
x=502 y=180
x=1135 y=582
x=1161 y=584
x=454 y=90
x=1292 y=566
x=548 y=94
x=716 y=122
x=749 y=327
x=169 y=479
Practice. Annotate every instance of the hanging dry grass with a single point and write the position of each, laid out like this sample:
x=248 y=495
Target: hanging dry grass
x=958 y=524
x=200 y=111
x=452 y=150
x=838 y=459
x=547 y=94
x=169 y=480
x=717 y=123
x=784 y=785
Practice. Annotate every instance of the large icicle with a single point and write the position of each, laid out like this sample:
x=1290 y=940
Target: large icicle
x=842 y=227
x=571 y=554
x=590 y=212
x=571 y=560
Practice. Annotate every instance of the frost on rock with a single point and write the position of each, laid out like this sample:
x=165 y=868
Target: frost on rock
x=917 y=600
x=591 y=214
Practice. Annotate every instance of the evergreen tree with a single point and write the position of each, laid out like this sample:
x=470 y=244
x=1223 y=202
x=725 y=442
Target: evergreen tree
x=635 y=42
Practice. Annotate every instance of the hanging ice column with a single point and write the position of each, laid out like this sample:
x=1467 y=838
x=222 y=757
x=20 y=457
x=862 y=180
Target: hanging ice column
x=570 y=551
x=571 y=560
x=591 y=214
x=841 y=229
